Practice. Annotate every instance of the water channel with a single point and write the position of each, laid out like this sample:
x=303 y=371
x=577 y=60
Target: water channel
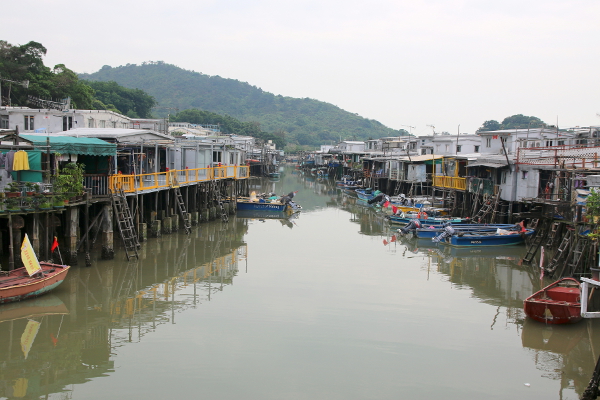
x=324 y=305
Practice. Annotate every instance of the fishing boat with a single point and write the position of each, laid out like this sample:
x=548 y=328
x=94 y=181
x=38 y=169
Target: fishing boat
x=557 y=303
x=32 y=280
x=268 y=203
x=479 y=239
x=430 y=231
x=273 y=174
x=424 y=219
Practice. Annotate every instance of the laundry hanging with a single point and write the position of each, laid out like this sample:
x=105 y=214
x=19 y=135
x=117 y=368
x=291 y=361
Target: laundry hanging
x=21 y=161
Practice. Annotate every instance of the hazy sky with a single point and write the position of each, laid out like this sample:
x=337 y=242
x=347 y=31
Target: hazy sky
x=446 y=63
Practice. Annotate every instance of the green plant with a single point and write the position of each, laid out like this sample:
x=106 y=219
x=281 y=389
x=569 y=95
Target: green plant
x=12 y=203
x=58 y=200
x=70 y=179
x=13 y=187
x=45 y=204
x=592 y=204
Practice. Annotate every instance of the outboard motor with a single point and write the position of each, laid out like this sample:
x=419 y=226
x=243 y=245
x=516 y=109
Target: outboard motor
x=412 y=226
x=447 y=231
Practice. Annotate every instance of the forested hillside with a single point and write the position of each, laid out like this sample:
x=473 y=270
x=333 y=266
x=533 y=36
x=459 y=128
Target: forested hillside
x=299 y=121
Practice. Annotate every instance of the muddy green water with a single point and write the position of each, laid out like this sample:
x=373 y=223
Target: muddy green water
x=314 y=307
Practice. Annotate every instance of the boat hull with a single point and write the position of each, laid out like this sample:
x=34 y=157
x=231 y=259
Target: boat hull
x=557 y=303
x=18 y=285
x=258 y=206
x=480 y=239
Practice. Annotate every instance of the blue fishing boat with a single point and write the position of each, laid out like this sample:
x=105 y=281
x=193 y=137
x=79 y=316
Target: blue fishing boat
x=405 y=218
x=261 y=205
x=480 y=239
x=431 y=231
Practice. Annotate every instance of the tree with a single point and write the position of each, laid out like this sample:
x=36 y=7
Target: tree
x=521 y=121
x=490 y=125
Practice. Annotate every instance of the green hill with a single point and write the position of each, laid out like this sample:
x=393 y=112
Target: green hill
x=302 y=121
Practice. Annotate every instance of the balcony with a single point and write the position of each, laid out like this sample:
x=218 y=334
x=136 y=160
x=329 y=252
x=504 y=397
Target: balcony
x=450 y=182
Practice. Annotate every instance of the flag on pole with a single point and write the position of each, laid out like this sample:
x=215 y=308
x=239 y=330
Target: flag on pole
x=542 y=263
x=385 y=242
x=32 y=265
x=54 y=245
x=393 y=238
x=386 y=204
x=394 y=209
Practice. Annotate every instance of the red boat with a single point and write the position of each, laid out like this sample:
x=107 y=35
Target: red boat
x=557 y=303
x=17 y=285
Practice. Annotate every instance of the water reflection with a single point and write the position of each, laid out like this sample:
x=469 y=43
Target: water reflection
x=71 y=336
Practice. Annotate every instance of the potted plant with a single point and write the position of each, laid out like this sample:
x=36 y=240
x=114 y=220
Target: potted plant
x=45 y=204
x=30 y=188
x=12 y=204
x=27 y=203
x=13 y=189
x=58 y=201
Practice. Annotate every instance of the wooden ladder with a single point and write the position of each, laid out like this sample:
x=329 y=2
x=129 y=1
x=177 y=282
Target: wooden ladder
x=488 y=207
x=220 y=208
x=125 y=223
x=534 y=243
x=561 y=252
x=554 y=229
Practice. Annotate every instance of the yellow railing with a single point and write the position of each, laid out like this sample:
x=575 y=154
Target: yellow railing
x=450 y=182
x=157 y=180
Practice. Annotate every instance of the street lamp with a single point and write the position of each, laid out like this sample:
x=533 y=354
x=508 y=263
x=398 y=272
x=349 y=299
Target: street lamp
x=25 y=84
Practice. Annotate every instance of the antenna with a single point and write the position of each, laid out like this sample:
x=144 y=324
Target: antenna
x=432 y=128
x=411 y=128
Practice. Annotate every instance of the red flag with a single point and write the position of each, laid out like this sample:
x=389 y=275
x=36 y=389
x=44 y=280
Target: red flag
x=386 y=204
x=393 y=238
x=54 y=245
x=394 y=209
x=54 y=340
x=385 y=242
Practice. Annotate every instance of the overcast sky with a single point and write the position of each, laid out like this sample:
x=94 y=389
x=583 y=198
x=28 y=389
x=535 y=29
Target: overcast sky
x=452 y=64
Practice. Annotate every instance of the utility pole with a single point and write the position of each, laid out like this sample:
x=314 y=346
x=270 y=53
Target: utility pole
x=411 y=128
x=25 y=84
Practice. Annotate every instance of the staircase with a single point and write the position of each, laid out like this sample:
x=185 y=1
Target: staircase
x=125 y=224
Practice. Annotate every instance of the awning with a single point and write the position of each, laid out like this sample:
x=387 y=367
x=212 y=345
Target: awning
x=74 y=145
x=487 y=164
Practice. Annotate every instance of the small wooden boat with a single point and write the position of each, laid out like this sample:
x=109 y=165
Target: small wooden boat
x=557 y=303
x=18 y=285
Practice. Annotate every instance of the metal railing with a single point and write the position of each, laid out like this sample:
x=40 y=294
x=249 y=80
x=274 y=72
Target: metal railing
x=158 y=180
x=450 y=182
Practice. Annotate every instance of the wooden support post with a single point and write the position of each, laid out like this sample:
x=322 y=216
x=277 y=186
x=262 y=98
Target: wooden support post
x=108 y=249
x=71 y=234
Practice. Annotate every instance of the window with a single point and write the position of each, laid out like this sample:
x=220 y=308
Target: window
x=3 y=121
x=67 y=123
x=561 y=142
x=423 y=151
x=548 y=143
x=488 y=142
x=29 y=123
x=102 y=124
x=524 y=174
x=114 y=124
x=91 y=123
x=504 y=173
x=437 y=148
x=447 y=147
x=217 y=156
x=458 y=147
x=231 y=159
x=476 y=149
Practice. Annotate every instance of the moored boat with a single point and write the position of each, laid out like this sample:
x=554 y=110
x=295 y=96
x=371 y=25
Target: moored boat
x=557 y=303
x=476 y=239
x=431 y=231
x=32 y=280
